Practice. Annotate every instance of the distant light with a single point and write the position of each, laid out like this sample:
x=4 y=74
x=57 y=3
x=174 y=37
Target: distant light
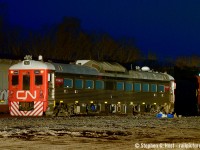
x=105 y=102
x=61 y=101
x=131 y=103
x=154 y=103
x=76 y=102
x=91 y=102
x=143 y=103
x=119 y=102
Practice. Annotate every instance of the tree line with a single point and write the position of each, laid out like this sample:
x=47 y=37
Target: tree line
x=67 y=41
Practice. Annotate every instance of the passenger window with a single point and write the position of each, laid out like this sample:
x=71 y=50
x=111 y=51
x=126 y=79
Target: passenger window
x=89 y=84
x=120 y=86
x=68 y=83
x=38 y=80
x=161 y=88
x=15 y=80
x=78 y=84
x=99 y=85
x=145 y=87
x=128 y=87
x=137 y=87
x=153 y=88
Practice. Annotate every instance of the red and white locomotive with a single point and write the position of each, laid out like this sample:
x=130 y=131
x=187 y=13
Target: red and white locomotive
x=28 y=87
x=38 y=87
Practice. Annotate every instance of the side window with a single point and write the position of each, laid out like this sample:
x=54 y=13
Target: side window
x=145 y=87
x=120 y=86
x=89 y=84
x=128 y=87
x=78 y=83
x=153 y=88
x=161 y=88
x=38 y=80
x=15 y=80
x=137 y=87
x=99 y=85
x=68 y=83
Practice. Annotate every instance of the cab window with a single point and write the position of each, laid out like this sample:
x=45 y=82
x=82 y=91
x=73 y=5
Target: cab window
x=26 y=82
x=38 y=80
x=15 y=80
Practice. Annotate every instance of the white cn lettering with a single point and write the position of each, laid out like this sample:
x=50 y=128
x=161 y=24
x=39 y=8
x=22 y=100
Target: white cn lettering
x=25 y=94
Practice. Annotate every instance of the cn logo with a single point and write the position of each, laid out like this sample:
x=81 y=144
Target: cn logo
x=24 y=95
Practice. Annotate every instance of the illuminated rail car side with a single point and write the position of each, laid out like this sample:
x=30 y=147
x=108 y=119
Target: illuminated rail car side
x=106 y=87
x=28 y=86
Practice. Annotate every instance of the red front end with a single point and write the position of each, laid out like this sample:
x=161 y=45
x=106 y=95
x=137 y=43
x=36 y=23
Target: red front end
x=28 y=92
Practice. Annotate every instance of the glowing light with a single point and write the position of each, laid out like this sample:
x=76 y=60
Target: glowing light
x=91 y=102
x=105 y=102
x=11 y=72
x=143 y=103
x=154 y=103
x=41 y=71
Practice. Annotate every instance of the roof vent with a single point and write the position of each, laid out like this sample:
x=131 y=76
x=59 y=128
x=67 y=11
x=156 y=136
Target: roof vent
x=81 y=62
x=40 y=57
x=145 y=68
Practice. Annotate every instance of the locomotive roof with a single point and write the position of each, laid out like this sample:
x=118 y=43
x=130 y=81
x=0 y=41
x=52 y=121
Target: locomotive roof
x=74 y=69
x=91 y=67
x=150 y=75
x=102 y=66
x=32 y=64
x=86 y=69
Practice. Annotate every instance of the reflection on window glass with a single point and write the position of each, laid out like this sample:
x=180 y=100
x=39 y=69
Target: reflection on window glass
x=161 y=88
x=15 y=80
x=38 y=80
x=89 y=84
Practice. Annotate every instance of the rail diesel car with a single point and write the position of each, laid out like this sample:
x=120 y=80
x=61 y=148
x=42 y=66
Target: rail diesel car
x=86 y=87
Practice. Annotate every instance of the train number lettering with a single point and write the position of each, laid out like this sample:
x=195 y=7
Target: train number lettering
x=24 y=95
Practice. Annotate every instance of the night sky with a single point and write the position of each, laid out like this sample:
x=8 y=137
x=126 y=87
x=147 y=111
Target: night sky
x=169 y=28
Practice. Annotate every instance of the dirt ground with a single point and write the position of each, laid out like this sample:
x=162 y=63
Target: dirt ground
x=99 y=132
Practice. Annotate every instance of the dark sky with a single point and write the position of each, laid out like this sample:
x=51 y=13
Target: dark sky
x=170 y=28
